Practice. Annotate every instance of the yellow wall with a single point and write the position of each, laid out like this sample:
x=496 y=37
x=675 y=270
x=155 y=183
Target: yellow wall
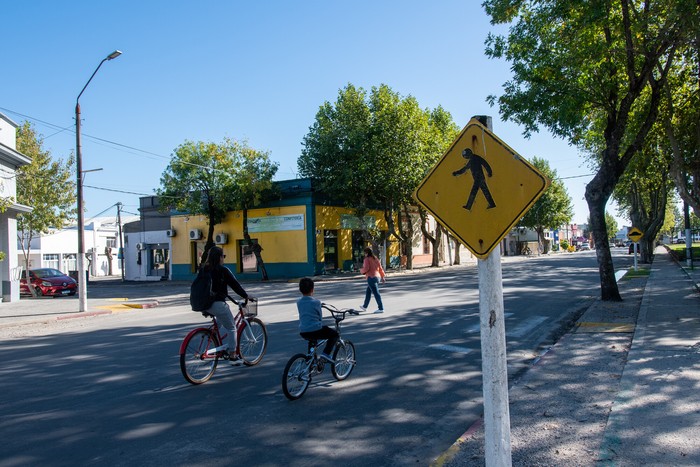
x=329 y=217
x=282 y=246
x=279 y=247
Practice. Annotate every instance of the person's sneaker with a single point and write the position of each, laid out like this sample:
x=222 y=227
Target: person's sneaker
x=326 y=357
x=236 y=361
x=363 y=308
x=378 y=311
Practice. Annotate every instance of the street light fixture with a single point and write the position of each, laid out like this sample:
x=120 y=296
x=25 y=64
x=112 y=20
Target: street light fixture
x=82 y=276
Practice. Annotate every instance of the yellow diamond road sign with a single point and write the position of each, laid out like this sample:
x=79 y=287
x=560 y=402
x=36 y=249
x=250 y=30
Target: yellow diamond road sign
x=635 y=234
x=480 y=189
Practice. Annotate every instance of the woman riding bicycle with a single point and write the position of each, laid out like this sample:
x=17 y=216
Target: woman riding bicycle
x=221 y=279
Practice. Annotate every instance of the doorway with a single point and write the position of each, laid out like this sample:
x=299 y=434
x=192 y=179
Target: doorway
x=330 y=250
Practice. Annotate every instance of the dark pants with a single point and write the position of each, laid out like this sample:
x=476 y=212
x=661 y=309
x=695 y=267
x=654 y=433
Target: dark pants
x=324 y=333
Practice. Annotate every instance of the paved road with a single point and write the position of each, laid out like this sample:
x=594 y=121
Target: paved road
x=108 y=389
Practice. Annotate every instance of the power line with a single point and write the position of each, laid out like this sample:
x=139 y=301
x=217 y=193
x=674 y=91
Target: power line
x=118 y=191
x=169 y=158
x=113 y=143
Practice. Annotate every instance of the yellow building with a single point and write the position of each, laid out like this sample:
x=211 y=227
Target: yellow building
x=300 y=235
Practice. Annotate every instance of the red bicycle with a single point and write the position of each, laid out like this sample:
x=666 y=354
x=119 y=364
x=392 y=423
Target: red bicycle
x=202 y=347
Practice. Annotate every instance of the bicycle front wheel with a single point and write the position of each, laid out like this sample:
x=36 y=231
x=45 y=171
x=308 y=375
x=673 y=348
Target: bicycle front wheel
x=198 y=367
x=296 y=377
x=344 y=358
x=252 y=341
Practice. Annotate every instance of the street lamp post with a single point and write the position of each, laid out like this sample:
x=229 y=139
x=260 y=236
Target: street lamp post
x=82 y=276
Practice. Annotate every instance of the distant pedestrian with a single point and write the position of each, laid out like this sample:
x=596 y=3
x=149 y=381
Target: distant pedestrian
x=372 y=269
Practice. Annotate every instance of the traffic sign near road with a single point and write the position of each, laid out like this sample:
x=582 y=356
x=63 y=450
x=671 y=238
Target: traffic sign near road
x=480 y=189
x=635 y=234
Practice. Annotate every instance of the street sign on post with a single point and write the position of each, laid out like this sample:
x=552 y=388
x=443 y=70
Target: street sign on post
x=480 y=189
x=635 y=234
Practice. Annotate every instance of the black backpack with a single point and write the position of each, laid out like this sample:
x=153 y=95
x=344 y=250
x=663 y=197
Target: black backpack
x=201 y=293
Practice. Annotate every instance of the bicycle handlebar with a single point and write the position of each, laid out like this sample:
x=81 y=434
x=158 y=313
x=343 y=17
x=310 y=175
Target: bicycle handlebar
x=237 y=302
x=334 y=309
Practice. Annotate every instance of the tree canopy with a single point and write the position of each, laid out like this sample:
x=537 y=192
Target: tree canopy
x=46 y=185
x=213 y=178
x=593 y=69
x=645 y=189
x=371 y=150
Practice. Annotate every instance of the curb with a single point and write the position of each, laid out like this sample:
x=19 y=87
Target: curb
x=152 y=304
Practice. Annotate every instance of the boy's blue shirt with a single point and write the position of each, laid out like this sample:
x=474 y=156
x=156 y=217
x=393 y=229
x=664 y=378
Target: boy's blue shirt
x=310 y=314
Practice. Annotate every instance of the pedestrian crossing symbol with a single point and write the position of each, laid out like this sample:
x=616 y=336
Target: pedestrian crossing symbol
x=480 y=189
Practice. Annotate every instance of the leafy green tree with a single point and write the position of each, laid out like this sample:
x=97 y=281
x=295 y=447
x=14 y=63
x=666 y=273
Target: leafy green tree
x=644 y=190
x=253 y=184
x=587 y=67
x=442 y=133
x=397 y=139
x=47 y=186
x=681 y=118
x=371 y=150
x=672 y=213
x=553 y=208
x=611 y=225
x=211 y=179
x=335 y=150
x=4 y=204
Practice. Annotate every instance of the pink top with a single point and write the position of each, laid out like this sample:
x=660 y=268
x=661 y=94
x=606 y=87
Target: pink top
x=371 y=267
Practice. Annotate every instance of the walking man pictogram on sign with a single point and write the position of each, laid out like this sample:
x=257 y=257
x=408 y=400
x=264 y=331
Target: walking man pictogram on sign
x=476 y=165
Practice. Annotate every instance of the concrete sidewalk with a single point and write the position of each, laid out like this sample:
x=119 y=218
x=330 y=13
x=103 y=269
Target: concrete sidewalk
x=105 y=296
x=621 y=389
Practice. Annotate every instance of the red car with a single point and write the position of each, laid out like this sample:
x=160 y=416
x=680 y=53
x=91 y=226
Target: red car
x=48 y=281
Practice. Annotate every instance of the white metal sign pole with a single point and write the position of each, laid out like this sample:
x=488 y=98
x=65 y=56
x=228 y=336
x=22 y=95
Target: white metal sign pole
x=494 y=363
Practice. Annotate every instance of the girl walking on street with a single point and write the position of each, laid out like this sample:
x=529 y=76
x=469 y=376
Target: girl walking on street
x=372 y=269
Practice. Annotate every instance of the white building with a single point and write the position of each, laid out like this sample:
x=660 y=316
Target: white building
x=147 y=243
x=10 y=161
x=59 y=249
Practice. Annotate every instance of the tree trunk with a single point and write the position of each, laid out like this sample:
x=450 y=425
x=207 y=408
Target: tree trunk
x=434 y=241
x=457 y=259
x=597 y=199
x=257 y=248
x=408 y=234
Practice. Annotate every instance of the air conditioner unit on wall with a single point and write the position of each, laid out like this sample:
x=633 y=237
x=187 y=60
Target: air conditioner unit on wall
x=170 y=233
x=195 y=234
x=221 y=239
x=140 y=246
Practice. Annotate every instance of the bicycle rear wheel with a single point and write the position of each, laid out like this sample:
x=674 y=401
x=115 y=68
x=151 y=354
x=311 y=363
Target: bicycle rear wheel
x=252 y=341
x=344 y=358
x=196 y=366
x=296 y=377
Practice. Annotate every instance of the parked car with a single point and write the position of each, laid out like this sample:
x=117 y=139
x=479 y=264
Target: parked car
x=585 y=246
x=630 y=249
x=48 y=281
x=680 y=241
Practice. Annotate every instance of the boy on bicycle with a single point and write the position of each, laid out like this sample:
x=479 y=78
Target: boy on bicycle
x=310 y=319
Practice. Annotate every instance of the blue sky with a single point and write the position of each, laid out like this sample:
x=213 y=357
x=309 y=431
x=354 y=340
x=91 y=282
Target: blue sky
x=254 y=71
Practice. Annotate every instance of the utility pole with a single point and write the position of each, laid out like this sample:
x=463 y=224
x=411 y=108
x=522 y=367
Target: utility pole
x=121 y=239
